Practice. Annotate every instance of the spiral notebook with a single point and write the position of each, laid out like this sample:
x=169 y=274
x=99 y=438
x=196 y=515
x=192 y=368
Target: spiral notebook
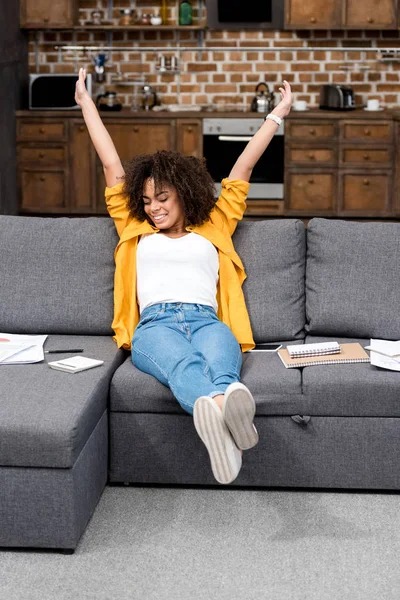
x=317 y=349
x=349 y=353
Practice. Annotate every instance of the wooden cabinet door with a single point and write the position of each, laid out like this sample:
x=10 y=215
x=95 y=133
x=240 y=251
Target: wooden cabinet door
x=366 y=194
x=82 y=168
x=132 y=138
x=47 y=13
x=189 y=137
x=313 y=14
x=43 y=191
x=370 y=14
x=312 y=193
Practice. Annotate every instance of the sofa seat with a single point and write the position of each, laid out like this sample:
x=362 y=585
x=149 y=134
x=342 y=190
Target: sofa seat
x=351 y=390
x=53 y=445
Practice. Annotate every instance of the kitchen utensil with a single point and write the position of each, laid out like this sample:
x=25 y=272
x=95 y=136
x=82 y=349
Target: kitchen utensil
x=108 y=101
x=263 y=101
x=149 y=97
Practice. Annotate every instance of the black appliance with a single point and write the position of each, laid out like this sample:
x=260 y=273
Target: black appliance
x=336 y=97
x=54 y=91
x=253 y=14
x=224 y=139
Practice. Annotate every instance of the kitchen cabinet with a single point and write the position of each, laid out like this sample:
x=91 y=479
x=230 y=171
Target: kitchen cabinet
x=341 y=167
x=189 y=137
x=341 y=14
x=310 y=167
x=58 y=169
x=48 y=13
x=42 y=165
x=365 y=167
x=396 y=185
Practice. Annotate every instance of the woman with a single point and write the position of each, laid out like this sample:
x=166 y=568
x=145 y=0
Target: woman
x=178 y=300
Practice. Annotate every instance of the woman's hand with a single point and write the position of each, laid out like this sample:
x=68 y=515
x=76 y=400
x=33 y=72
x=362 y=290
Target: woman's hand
x=283 y=108
x=81 y=92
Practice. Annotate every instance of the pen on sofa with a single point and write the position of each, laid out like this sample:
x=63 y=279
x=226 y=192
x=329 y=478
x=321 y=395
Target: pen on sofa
x=66 y=351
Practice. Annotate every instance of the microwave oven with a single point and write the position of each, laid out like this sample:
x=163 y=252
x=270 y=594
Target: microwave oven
x=252 y=14
x=54 y=91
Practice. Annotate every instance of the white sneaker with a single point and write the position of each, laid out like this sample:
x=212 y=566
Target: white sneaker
x=238 y=410
x=225 y=457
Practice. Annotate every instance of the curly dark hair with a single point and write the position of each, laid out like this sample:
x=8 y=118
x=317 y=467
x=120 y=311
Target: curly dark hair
x=187 y=174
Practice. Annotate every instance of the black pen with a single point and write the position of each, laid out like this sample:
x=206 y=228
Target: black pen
x=66 y=351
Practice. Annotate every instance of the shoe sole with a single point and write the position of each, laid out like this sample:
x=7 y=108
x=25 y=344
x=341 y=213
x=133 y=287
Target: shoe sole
x=215 y=435
x=238 y=412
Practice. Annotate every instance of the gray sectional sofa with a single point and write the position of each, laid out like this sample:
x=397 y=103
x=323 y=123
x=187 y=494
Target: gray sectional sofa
x=62 y=436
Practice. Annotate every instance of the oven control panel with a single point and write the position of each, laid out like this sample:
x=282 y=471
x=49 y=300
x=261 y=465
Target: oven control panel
x=221 y=126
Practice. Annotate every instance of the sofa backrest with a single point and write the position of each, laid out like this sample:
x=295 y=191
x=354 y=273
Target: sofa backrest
x=273 y=254
x=57 y=275
x=353 y=279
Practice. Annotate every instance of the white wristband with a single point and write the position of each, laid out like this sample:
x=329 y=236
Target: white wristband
x=277 y=120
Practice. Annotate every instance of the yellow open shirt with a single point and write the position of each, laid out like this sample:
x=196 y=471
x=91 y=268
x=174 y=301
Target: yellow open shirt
x=228 y=210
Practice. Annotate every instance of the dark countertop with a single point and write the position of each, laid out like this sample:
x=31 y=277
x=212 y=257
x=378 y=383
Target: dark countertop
x=315 y=113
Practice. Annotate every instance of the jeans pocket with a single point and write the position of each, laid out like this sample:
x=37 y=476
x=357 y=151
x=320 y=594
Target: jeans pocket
x=146 y=319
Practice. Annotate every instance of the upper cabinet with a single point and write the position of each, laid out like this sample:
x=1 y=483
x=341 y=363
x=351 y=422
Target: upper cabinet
x=48 y=13
x=341 y=14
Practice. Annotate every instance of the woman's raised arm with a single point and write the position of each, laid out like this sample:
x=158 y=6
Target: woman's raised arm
x=113 y=169
x=244 y=165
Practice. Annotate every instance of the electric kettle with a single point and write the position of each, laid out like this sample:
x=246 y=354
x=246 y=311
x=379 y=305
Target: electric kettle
x=263 y=101
x=108 y=101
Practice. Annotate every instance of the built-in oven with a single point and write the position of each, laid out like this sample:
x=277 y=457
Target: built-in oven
x=224 y=139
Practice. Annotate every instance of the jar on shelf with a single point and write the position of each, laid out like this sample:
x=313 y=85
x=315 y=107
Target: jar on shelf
x=156 y=19
x=185 y=13
x=164 y=12
x=126 y=17
x=145 y=19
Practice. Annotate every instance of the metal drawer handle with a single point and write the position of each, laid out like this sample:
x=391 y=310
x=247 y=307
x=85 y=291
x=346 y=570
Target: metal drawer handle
x=311 y=180
x=370 y=20
x=313 y=20
x=189 y=129
x=136 y=129
x=234 y=138
x=41 y=155
x=367 y=131
x=366 y=157
x=42 y=178
x=312 y=156
x=42 y=130
x=311 y=131
x=366 y=181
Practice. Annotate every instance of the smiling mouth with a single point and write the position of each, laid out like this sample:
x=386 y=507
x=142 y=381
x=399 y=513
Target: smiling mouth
x=159 y=218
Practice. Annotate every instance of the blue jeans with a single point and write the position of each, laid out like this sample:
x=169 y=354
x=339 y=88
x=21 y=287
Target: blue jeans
x=188 y=349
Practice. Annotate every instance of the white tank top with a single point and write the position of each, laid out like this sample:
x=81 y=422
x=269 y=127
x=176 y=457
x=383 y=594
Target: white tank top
x=181 y=269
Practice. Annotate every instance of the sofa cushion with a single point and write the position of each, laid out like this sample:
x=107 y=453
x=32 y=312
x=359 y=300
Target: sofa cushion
x=350 y=390
x=352 y=283
x=47 y=416
x=275 y=389
x=57 y=275
x=273 y=254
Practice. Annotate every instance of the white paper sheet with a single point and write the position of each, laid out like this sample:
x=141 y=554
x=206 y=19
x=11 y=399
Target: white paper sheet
x=382 y=352
x=30 y=348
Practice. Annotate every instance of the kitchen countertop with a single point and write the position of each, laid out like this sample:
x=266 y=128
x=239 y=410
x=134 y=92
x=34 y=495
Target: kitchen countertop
x=129 y=114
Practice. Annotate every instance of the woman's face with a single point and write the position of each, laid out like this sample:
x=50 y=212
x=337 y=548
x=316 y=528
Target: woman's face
x=164 y=209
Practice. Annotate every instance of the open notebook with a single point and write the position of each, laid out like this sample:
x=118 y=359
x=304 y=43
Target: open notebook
x=349 y=353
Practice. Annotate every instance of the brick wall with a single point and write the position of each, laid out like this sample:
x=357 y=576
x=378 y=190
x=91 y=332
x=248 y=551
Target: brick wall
x=217 y=75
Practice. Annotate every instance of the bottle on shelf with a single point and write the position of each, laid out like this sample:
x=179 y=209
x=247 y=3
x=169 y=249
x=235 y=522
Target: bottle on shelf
x=185 y=13
x=164 y=12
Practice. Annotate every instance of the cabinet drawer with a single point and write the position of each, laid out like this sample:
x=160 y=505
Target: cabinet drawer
x=366 y=156
x=37 y=130
x=307 y=156
x=42 y=191
x=310 y=131
x=365 y=194
x=367 y=131
x=310 y=192
x=41 y=156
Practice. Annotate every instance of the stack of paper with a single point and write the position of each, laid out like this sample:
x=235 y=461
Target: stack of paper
x=21 y=349
x=385 y=354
